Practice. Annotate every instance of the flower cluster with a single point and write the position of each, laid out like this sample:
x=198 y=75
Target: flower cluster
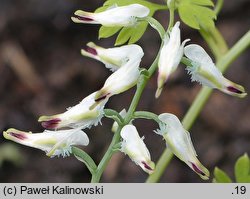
x=122 y=61
x=124 y=64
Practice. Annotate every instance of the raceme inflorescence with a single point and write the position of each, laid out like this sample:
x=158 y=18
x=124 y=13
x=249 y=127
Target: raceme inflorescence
x=66 y=130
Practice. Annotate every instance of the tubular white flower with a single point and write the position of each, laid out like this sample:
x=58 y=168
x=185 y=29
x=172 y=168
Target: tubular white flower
x=135 y=148
x=116 y=16
x=170 y=56
x=204 y=71
x=179 y=142
x=113 y=58
x=85 y=114
x=122 y=79
x=54 y=143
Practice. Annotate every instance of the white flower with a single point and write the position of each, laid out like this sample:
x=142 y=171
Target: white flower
x=170 y=56
x=113 y=58
x=179 y=142
x=204 y=71
x=54 y=143
x=135 y=148
x=85 y=114
x=116 y=16
x=122 y=79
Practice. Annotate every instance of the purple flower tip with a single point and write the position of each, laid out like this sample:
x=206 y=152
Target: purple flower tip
x=102 y=97
x=19 y=136
x=146 y=166
x=83 y=18
x=197 y=170
x=234 y=90
x=91 y=50
x=51 y=124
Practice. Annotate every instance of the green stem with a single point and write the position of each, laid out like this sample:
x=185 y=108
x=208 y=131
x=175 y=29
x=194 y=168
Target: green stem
x=85 y=158
x=107 y=156
x=218 y=6
x=235 y=51
x=199 y=102
x=143 y=79
x=171 y=6
x=156 y=25
x=217 y=46
x=147 y=115
x=110 y=113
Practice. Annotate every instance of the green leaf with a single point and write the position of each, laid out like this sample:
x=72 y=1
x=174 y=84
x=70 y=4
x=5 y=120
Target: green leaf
x=242 y=169
x=196 y=14
x=203 y=2
x=127 y=34
x=105 y=32
x=220 y=176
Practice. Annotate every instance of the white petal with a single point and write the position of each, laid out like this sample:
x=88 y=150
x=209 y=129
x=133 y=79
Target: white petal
x=122 y=79
x=197 y=54
x=135 y=148
x=113 y=58
x=83 y=115
x=117 y=16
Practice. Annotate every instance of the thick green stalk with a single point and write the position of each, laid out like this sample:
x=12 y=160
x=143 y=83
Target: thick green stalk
x=199 y=102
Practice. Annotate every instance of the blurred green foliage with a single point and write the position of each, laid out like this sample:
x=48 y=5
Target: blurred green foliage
x=241 y=172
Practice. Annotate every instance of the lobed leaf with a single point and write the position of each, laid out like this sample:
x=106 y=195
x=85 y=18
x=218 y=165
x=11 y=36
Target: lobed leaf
x=196 y=14
x=220 y=176
x=242 y=169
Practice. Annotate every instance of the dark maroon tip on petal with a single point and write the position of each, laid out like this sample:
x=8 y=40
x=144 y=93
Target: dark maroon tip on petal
x=146 y=166
x=18 y=135
x=51 y=124
x=83 y=18
x=234 y=90
x=91 y=50
x=197 y=170
x=101 y=97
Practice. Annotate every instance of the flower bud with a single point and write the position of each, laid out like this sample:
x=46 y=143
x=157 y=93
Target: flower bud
x=170 y=56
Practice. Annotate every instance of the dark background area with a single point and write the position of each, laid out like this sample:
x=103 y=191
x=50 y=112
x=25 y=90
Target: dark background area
x=43 y=73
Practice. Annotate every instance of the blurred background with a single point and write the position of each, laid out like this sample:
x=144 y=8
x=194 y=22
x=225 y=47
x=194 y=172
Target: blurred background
x=43 y=73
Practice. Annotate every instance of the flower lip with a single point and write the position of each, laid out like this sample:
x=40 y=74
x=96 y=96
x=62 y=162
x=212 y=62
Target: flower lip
x=146 y=166
x=17 y=135
x=197 y=170
x=51 y=123
x=234 y=90
x=82 y=18
x=91 y=50
x=102 y=97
